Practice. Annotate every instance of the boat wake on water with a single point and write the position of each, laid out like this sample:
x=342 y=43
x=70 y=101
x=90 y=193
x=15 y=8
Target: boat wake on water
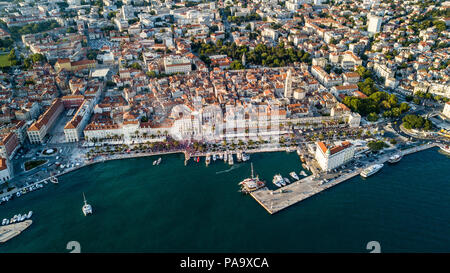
x=230 y=169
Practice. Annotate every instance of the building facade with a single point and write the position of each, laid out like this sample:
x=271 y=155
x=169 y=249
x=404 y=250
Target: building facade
x=331 y=158
x=39 y=129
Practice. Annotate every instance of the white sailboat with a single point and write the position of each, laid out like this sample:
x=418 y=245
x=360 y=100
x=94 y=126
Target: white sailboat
x=230 y=159
x=87 y=209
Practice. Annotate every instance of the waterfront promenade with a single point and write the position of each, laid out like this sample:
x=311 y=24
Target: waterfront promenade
x=274 y=201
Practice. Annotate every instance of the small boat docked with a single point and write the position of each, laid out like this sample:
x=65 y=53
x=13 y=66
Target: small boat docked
x=445 y=149
x=294 y=175
x=395 y=158
x=54 y=180
x=277 y=179
x=230 y=159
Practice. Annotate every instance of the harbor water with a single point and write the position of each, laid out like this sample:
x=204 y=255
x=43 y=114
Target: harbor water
x=138 y=207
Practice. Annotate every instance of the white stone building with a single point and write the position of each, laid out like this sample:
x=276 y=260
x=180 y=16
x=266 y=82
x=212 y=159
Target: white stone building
x=374 y=24
x=331 y=158
x=177 y=65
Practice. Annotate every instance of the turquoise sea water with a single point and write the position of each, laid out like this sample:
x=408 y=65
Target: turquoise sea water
x=139 y=207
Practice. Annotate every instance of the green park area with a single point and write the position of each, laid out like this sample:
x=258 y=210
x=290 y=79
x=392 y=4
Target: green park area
x=4 y=60
x=33 y=164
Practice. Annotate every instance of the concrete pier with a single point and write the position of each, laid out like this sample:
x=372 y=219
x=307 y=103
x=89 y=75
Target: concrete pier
x=10 y=231
x=274 y=201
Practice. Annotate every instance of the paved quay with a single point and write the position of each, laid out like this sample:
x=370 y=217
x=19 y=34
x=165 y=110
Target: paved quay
x=10 y=231
x=275 y=200
x=292 y=193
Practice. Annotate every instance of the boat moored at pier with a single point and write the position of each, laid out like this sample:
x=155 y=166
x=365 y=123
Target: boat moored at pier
x=251 y=184
x=278 y=180
x=294 y=175
x=371 y=170
x=10 y=231
x=230 y=159
x=208 y=159
x=395 y=158
x=445 y=149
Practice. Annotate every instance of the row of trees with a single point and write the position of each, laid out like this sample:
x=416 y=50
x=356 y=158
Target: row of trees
x=419 y=96
x=240 y=19
x=33 y=28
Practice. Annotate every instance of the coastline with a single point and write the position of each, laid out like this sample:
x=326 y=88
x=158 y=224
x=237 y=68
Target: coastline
x=146 y=188
x=101 y=159
x=200 y=154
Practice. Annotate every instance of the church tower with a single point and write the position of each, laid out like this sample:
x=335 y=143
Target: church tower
x=288 y=85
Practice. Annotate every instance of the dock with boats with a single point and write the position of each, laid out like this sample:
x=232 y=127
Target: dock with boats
x=10 y=231
x=276 y=200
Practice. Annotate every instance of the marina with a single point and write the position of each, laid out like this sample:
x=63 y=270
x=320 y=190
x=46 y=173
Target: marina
x=136 y=187
x=276 y=200
x=12 y=230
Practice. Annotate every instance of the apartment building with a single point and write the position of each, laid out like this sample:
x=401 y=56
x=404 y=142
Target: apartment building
x=177 y=65
x=74 y=128
x=39 y=129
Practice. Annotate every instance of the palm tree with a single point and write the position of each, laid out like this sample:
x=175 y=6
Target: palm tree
x=250 y=142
